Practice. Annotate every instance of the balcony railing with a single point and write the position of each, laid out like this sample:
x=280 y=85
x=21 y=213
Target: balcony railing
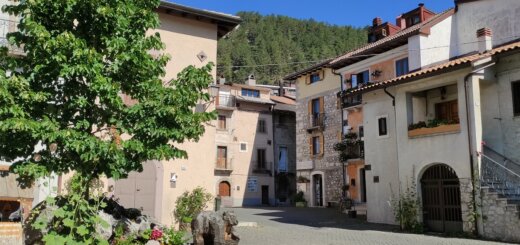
x=353 y=100
x=317 y=120
x=226 y=102
x=223 y=166
x=262 y=167
x=7 y=26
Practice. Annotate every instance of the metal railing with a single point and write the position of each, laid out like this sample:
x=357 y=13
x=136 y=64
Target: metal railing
x=226 y=101
x=351 y=101
x=223 y=164
x=500 y=178
x=262 y=167
x=317 y=120
x=8 y=26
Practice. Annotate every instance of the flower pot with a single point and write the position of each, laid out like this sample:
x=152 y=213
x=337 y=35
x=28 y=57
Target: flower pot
x=441 y=129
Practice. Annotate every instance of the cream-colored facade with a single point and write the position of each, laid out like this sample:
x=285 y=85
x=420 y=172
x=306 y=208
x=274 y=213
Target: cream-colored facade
x=191 y=37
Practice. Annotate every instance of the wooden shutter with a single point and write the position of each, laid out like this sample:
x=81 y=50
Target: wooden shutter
x=308 y=79
x=322 y=74
x=310 y=108
x=322 y=105
x=322 y=145
x=311 y=150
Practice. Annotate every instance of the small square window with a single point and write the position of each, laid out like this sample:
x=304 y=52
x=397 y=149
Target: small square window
x=401 y=67
x=382 y=125
x=243 y=147
x=315 y=77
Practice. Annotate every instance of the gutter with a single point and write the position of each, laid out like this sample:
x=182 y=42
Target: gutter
x=342 y=128
x=471 y=160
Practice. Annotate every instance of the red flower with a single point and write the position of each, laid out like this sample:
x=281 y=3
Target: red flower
x=156 y=235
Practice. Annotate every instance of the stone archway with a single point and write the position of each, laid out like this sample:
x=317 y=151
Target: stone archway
x=441 y=199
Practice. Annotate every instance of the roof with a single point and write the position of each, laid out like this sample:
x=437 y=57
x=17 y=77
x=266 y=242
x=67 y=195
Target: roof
x=390 y=42
x=283 y=100
x=225 y=22
x=453 y=64
x=310 y=69
x=382 y=45
x=254 y=100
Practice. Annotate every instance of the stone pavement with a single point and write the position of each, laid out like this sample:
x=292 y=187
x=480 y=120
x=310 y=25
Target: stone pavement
x=302 y=226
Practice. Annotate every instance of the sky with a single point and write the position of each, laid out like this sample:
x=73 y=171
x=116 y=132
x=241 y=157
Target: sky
x=357 y=13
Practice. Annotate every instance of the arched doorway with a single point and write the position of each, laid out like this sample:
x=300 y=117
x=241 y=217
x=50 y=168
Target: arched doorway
x=441 y=199
x=224 y=189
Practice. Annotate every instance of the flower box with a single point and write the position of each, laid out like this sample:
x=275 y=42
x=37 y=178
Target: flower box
x=439 y=130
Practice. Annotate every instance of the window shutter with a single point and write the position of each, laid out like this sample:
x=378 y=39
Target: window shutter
x=322 y=105
x=322 y=75
x=308 y=79
x=322 y=145
x=310 y=147
x=310 y=108
x=338 y=103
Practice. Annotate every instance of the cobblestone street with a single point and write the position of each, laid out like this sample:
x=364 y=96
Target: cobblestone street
x=287 y=226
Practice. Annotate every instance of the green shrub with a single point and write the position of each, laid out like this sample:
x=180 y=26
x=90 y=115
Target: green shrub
x=406 y=208
x=190 y=204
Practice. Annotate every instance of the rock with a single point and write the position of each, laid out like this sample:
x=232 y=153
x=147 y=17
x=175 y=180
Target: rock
x=152 y=242
x=214 y=228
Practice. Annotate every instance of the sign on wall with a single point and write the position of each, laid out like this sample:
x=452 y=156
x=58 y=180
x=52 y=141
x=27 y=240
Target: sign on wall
x=252 y=184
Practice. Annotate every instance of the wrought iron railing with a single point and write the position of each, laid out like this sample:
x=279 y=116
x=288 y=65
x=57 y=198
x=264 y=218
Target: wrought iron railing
x=500 y=178
x=262 y=167
x=8 y=26
x=223 y=164
x=317 y=120
x=353 y=100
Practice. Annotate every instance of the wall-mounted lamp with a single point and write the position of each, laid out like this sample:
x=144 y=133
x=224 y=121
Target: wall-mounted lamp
x=443 y=93
x=173 y=178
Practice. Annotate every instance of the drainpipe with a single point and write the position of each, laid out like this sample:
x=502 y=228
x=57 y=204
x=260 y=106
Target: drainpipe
x=342 y=129
x=471 y=161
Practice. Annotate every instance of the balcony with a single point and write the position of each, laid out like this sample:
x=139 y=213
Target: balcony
x=351 y=101
x=262 y=168
x=316 y=121
x=7 y=26
x=223 y=166
x=226 y=102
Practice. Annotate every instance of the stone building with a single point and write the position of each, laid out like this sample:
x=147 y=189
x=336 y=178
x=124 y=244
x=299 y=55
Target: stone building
x=321 y=175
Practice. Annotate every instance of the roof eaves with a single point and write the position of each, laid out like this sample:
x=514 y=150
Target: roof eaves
x=313 y=68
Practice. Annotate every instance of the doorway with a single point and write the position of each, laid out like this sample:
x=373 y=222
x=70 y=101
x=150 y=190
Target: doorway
x=318 y=190
x=363 y=185
x=265 y=195
x=224 y=189
x=441 y=199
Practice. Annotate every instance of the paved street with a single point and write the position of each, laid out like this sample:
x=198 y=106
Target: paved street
x=286 y=226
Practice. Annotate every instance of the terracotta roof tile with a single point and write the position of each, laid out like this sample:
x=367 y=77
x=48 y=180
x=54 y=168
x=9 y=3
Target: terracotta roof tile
x=449 y=64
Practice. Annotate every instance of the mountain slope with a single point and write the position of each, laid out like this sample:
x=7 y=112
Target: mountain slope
x=289 y=43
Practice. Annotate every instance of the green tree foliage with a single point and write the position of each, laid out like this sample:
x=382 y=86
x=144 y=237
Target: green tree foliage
x=273 y=39
x=65 y=93
x=189 y=205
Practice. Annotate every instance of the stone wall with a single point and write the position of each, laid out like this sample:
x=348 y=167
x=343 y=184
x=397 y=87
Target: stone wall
x=328 y=163
x=501 y=220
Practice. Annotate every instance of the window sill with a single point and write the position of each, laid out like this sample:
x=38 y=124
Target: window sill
x=439 y=130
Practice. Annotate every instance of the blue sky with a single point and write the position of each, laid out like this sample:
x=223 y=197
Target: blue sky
x=341 y=12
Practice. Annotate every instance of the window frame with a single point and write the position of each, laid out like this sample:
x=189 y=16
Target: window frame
x=224 y=122
x=316 y=146
x=240 y=147
x=379 y=135
x=313 y=77
x=262 y=129
x=245 y=92
x=398 y=65
x=261 y=159
x=515 y=98
x=226 y=153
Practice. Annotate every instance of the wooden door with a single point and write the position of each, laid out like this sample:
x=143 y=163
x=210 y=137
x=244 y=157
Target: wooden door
x=265 y=195
x=224 y=189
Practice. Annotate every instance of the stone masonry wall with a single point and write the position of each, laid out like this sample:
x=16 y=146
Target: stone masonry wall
x=501 y=220
x=328 y=164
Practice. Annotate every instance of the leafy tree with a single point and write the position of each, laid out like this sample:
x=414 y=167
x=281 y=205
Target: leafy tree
x=189 y=205
x=66 y=94
x=289 y=44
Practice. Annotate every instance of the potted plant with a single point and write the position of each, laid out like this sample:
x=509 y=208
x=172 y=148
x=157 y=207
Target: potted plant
x=302 y=179
x=299 y=200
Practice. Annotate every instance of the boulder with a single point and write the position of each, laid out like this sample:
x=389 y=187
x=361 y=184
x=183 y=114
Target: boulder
x=215 y=228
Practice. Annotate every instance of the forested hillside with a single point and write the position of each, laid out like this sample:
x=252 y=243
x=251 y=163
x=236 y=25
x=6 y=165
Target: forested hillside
x=261 y=41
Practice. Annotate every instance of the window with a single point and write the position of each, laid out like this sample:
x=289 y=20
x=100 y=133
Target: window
x=360 y=78
x=448 y=111
x=221 y=157
x=260 y=158
x=316 y=146
x=261 y=126
x=383 y=131
x=361 y=131
x=401 y=67
x=250 y=93
x=222 y=122
x=315 y=77
x=516 y=97
x=243 y=147
x=282 y=159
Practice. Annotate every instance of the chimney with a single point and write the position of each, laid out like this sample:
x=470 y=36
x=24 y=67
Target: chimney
x=251 y=81
x=484 y=37
x=400 y=22
x=421 y=5
x=377 y=22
